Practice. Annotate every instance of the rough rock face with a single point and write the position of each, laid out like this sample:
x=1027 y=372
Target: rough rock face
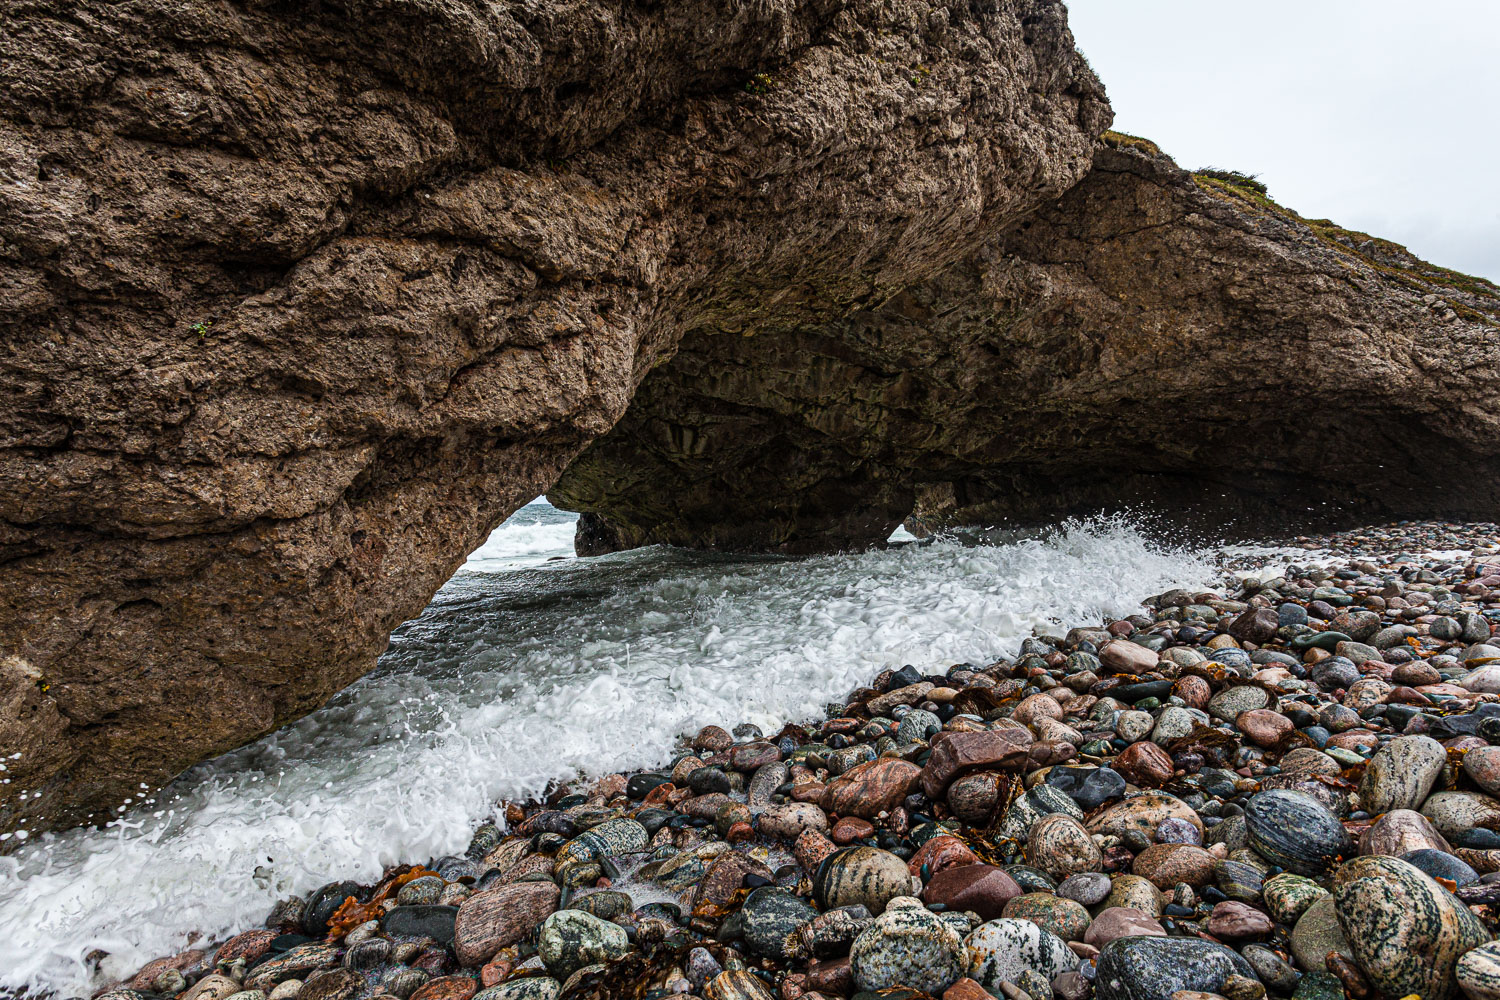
x=1153 y=338
x=298 y=301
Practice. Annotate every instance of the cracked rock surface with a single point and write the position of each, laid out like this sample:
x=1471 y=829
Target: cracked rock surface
x=297 y=302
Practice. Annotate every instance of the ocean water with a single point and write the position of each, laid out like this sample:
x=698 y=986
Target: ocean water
x=531 y=666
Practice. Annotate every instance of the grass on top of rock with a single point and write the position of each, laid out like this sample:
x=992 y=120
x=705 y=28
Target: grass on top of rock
x=1390 y=259
x=1124 y=140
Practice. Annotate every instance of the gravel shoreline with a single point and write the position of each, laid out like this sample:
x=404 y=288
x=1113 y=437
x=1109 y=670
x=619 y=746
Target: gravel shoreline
x=1288 y=787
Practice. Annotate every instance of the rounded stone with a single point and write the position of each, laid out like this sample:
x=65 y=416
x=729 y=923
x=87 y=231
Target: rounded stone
x=1482 y=764
x=983 y=889
x=1287 y=896
x=1442 y=865
x=1317 y=932
x=1154 y=968
x=1063 y=917
x=1401 y=774
x=1230 y=702
x=1296 y=831
x=865 y=875
x=1087 y=888
x=1141 y=815
x=769 y=915
x=1115 y=922
x=1136 y=893
x=1478 y=972
x=908 y=946
x=572 y=939
x=1165 y=865
x=1060 y=846
x=1407 y=932
x=1000 y=950
x=1399 y=832
x=1456 y=813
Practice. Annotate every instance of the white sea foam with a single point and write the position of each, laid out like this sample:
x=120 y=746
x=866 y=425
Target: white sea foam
x=512 y=680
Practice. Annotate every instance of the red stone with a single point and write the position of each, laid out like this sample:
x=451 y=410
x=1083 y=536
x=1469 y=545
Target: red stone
x=446 y=988
x=954 y=754
x=249 y=946
x=941 y=853
x=871 y=788
x=967 y=989
x=851 y=829
x=834 y=977
x=1145 y=764
x=488 y=921
x=984 y=889
x=1121 y=921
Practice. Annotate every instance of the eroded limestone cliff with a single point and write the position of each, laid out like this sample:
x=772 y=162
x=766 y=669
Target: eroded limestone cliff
x=298 y=301
x=1153 y=339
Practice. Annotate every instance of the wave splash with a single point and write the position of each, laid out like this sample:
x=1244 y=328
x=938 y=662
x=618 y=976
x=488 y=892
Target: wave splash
x=512 y=680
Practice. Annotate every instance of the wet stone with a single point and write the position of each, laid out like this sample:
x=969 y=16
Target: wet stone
x=434 y=921
x=907 y=946
x=1407 y=932
x=983 y=889
x=864 y=875
x=572 y=939
x=1114 y=922
x=1295 y=831
x=1318 y=932
x=1151 y=968
x=1087 y=888
x=771 y=914
x=490 y=920
x=1000 y=950
x=1060 y=846
x=1401 y=774
x=1063 y=917
x=1478 y=972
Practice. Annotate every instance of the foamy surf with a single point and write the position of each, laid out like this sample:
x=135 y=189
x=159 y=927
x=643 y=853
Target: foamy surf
x=514 y=679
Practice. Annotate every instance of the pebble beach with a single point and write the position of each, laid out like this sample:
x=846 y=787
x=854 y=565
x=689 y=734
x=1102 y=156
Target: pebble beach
x=1285 y=786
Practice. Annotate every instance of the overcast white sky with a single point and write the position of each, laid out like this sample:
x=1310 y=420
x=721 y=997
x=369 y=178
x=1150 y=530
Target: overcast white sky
x=1381 y=115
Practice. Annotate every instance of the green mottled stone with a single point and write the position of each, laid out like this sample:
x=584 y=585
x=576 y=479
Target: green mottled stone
x=1407 y=931
x=908 y=946
x=571 y=939
x=1287 y=896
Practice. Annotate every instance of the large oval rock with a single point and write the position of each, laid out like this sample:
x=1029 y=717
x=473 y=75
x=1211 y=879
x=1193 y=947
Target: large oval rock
x=1401 y=774
x=1407 y=932
x=864 y=875
x=1000 y=950
x=1060 y=846
x=908 y=946
x=871 y=788
x=1296 y=831
x=571 y=939
x=1153 y=968
x=488 y=921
